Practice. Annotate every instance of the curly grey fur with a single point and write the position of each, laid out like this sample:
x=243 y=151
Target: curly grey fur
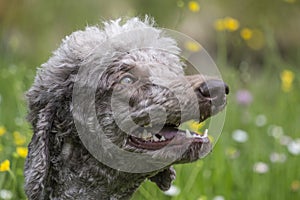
x=58 y=165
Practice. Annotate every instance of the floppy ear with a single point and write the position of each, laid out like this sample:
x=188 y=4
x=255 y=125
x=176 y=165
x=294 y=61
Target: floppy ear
x=37 y=161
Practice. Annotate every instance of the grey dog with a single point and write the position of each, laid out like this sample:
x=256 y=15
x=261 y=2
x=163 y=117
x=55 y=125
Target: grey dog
x=139 y=67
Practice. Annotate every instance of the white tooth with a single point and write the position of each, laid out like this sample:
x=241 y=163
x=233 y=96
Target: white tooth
x=155 y=138
x=188 y=133
x=145 y=134
x=149 y=135
x=162 y=138
x=205 y=133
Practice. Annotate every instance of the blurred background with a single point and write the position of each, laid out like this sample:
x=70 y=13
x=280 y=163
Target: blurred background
x=256 y=47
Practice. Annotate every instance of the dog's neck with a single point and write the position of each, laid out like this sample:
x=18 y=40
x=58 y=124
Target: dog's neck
x=80 y=181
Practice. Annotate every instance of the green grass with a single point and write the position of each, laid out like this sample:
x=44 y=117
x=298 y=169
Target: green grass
x=222 y=173
x=29 y=32
x=14 y=80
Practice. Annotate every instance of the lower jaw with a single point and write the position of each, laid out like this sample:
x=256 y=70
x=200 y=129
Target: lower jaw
x=147 y=145
x=196 y=153
x=177 y=154
x=177 y=142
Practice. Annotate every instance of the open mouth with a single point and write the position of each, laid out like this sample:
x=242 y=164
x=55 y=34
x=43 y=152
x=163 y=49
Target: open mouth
x=212 y=94
x=168 y=135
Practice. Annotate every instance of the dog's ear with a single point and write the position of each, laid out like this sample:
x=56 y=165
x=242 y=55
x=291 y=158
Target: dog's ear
x=164 y=178
x=37 y=161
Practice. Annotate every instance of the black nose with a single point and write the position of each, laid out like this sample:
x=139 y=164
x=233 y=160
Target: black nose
x=213 y=88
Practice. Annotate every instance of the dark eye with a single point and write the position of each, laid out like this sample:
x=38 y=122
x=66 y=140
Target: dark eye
x=127 y=80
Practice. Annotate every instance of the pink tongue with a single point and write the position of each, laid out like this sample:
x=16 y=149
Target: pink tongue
x=168 y=132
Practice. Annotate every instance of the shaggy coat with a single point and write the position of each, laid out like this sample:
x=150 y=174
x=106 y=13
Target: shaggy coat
x=138 y=62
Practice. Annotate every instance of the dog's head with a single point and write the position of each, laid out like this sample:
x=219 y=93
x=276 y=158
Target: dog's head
x=143 y=96
x=148 y=101
x=135 y=77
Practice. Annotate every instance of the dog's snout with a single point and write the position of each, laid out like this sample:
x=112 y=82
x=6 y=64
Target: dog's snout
x=213 y=88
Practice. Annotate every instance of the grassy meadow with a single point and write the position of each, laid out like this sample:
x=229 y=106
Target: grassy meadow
x=257 y=155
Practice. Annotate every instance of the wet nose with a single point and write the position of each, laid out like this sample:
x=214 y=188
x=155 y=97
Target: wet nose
x=213 y=88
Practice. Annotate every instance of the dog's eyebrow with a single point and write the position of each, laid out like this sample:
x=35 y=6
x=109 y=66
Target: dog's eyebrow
x=140 y=72
x=125 y=67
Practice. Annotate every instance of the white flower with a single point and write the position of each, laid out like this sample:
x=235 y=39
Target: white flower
x=261 y=120
x=260 y=167
x=275 y=131
x=5 y=194
x=285 y=140
x=294 y=147
x=173 y=191
x=19 y=121
x=240 y=136
x=277 y=157
x=218 y=198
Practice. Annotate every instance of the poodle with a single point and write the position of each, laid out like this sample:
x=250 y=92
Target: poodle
x=129 y=74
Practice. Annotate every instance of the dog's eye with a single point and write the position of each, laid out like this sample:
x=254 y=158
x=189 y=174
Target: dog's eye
x=126 y=80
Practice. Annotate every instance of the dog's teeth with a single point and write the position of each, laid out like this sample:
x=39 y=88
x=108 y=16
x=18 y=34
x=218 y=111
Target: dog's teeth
x=149 y=135
x=205 y=133
x=155 y=138
x=145 y=134
x=188 y=133
x=162 y=138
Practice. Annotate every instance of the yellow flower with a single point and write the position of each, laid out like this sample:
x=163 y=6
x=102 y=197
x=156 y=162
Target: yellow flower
x=192 y=46
x=195 y=126
x=257 y=40
x=231 y=24
x=246 y=33
x=287 y=78
x=18 y=138
x=295 y=186
x=2 y=130
x=5 y=166
x=22 y=152
x=219 y=25
x=227 y=23
x=194 y=6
